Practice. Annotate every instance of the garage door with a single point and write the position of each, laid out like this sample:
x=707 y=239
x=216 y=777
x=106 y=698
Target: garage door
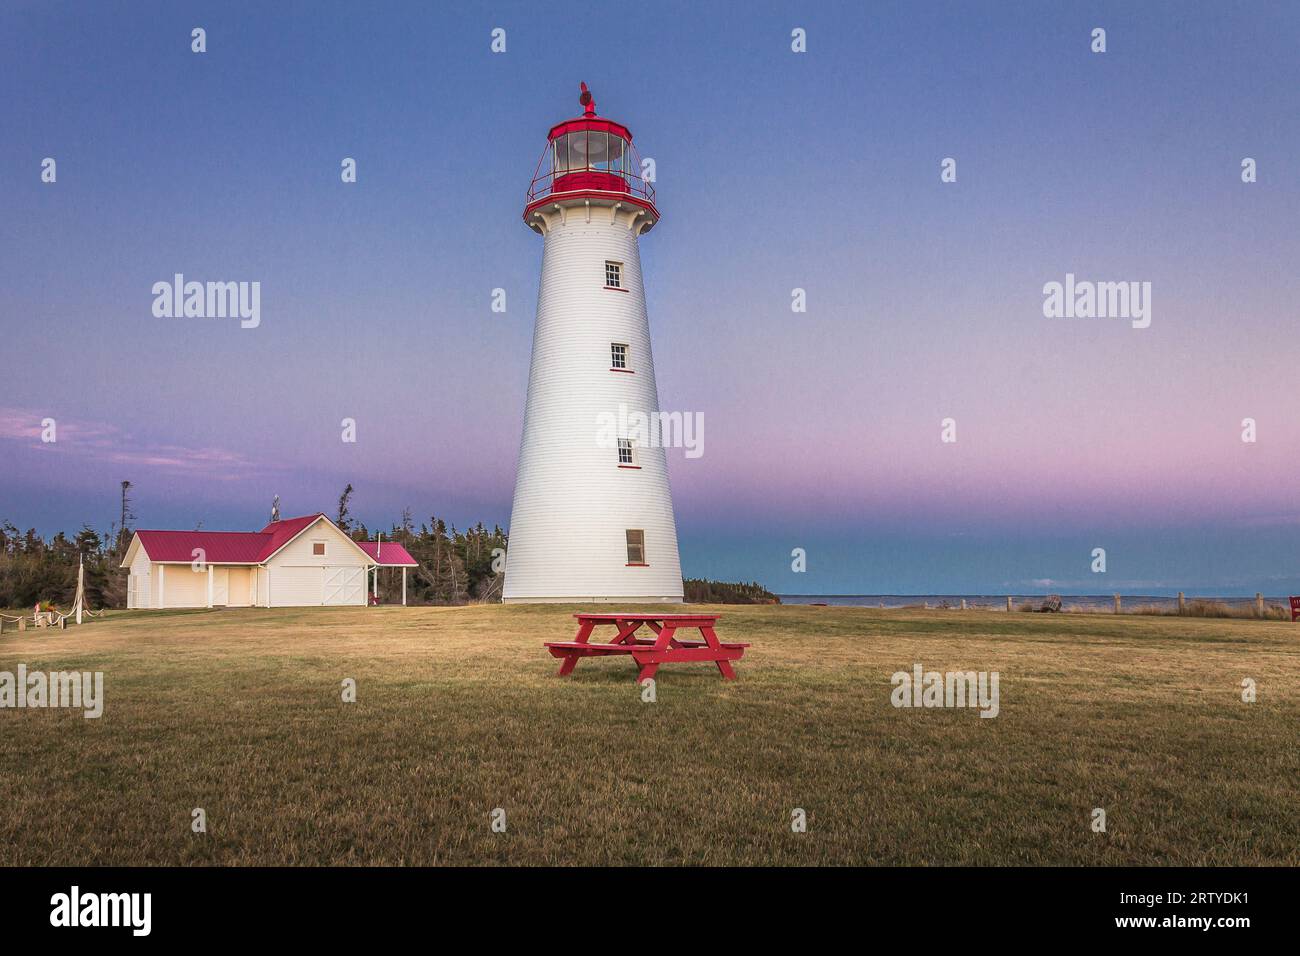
x=314 y=585
x=182 y=586
x=295 y=586
x=345 y=585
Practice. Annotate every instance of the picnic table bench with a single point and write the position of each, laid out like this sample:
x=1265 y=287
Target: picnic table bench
x=648 y=653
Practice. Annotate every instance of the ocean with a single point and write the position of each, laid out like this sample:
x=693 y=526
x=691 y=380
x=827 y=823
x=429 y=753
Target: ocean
x=998 y=602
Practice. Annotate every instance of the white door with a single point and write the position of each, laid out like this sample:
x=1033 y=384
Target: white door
x=239 y=587
x=220 y=587
x=345 y=585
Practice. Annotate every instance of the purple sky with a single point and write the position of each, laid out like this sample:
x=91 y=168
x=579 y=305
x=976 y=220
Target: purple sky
x=776 y=170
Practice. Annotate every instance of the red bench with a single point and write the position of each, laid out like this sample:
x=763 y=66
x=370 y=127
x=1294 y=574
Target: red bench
x=648 y=653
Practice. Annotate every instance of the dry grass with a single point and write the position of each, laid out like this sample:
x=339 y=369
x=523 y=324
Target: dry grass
x=239 y=712
x=1203 y=608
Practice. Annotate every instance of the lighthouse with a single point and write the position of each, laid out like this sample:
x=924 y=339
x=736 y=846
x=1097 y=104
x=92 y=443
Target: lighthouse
x=592 y=518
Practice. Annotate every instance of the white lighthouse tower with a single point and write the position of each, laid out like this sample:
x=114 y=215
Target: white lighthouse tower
x=593 y=514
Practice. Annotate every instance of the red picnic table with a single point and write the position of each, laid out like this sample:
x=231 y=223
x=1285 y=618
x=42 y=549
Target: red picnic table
x=649 y=653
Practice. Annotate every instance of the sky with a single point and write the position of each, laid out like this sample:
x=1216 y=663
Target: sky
x=776 y=171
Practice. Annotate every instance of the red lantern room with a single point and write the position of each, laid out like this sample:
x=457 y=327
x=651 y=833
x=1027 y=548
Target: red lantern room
x=590 y=161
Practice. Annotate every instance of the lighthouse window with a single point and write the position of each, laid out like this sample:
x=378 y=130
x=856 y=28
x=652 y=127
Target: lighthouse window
x=625 y=451
x=596 y=150
x=618 y=355
x=615 y=164
x=613 y=275
x=635 y=546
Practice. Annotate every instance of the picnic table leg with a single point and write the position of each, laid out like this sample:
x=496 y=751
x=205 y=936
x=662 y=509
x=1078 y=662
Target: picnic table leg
x=672 y=641
x=710 y=638
x=663 y=639
x=571 y=659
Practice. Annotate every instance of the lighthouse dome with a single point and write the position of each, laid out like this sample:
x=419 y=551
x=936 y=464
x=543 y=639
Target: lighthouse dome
x=590 y=160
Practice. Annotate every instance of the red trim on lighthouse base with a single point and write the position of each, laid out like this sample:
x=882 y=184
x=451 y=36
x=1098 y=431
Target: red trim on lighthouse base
x=555 y=198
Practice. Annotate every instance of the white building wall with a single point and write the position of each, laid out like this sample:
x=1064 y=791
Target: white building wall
x=572 y=503
x=297 y=576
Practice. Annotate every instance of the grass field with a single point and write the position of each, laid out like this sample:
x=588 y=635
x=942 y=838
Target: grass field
x=459 y=712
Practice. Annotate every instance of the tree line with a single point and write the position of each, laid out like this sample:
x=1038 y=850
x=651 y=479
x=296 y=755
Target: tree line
x=455 y=566
x=703 y=591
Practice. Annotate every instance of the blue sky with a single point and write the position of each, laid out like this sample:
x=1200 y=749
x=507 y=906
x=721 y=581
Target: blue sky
x=776 y=170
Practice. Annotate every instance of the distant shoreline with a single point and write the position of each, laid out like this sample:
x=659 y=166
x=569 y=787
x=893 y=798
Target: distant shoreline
x=998 y=601
x=1002 y=596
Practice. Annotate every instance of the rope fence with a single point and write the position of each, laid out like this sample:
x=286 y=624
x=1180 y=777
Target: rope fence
x=53 y=618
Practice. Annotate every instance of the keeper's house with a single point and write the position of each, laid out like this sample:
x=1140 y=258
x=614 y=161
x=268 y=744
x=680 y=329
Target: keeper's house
x=297 y=562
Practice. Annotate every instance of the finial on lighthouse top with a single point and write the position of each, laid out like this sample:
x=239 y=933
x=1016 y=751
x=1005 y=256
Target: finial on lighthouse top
x=587 y=100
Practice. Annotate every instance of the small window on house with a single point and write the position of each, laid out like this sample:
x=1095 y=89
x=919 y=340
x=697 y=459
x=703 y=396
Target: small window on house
x=635 y=546
x=318 y=548
x=613 y=274
x=618 y=355
x=625 y=451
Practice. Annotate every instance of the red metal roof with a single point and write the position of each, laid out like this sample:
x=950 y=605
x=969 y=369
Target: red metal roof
x=218 y=547
x=390 y=555
x=589 y=120
x=577 y=125
x=248 y=547
x=281 y=532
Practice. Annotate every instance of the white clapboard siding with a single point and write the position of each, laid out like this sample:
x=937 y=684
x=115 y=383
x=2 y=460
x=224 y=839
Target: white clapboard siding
x=139 y=594
x=572 y=503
